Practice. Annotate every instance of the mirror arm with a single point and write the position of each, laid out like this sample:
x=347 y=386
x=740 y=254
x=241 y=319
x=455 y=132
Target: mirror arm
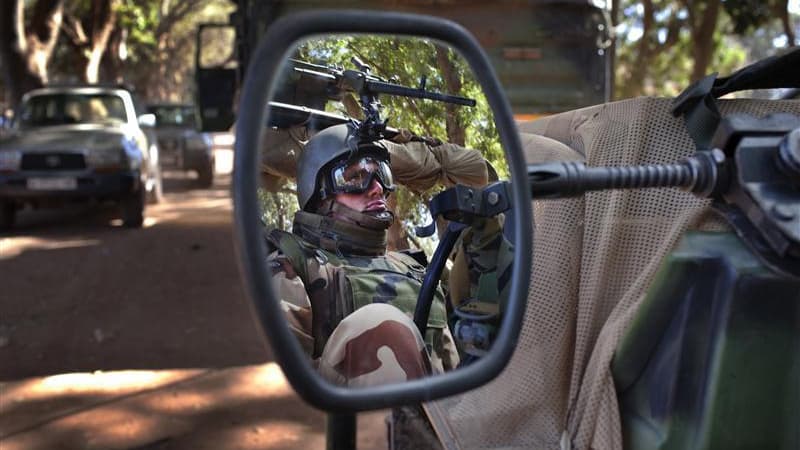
x=434 y=272
x=340 y=431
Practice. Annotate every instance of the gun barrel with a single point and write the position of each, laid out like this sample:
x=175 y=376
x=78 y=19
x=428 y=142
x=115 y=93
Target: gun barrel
x=284 y=115
x=315 y=73
x=380 y=87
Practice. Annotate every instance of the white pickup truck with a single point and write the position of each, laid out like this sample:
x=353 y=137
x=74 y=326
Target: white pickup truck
x=79 y=143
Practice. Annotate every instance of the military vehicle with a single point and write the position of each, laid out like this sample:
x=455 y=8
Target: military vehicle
x=182 y=146
x=655 y=304
x=549 y=56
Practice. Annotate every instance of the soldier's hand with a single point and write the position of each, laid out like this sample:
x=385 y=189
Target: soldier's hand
x=404 y=136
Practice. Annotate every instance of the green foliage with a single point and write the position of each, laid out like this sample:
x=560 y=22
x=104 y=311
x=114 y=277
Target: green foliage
x=658 y=60
x=278 y=206
x=405 y=61
x=161 y=36
x=140 y=18
x=747 y=15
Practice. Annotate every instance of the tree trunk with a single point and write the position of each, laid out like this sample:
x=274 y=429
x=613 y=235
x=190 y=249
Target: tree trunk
x=455 y=129
x=26 y=52
x=111 y=64
x=703 y=37
x=634 y=83
x=103 y=19
x=782 y=10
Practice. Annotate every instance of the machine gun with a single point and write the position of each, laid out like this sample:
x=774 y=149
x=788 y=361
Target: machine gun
x=301 y=100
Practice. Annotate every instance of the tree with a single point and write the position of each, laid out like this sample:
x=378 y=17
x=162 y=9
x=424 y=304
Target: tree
x=154 y=41
x=27 y=45
x=666 y=44
x=406 y=61
x=88 y=29
x=749 y=15
x=160 y=38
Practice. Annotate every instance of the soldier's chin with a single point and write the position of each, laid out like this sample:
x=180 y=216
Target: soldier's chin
x=380 y=214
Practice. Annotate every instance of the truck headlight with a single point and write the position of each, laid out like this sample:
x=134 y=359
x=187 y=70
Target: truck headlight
x=10 y=160
x=105 y=158
x=198 y=142
x=133 y=154
x=223 y=140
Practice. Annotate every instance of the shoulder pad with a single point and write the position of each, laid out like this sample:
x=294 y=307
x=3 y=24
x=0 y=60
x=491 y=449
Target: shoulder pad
x=419 y=255
x=293 y=248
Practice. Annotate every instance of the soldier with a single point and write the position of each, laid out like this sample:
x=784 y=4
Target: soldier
x=346 y=298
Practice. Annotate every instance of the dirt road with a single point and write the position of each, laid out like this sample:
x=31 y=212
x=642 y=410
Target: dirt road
x=152 y=328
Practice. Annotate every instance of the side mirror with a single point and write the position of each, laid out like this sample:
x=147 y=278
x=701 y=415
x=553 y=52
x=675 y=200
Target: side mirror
x=264 y=84
x=147 y=120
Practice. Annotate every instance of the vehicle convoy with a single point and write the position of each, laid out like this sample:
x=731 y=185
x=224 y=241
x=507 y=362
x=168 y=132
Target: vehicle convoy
x=78 y=144
x=654 y=305
x=181 y=146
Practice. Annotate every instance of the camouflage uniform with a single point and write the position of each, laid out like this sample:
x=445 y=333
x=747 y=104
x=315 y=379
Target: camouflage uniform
x=478 y=285
x=352 y=312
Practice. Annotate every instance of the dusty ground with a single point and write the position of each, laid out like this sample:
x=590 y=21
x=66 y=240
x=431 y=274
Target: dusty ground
x=140 y=339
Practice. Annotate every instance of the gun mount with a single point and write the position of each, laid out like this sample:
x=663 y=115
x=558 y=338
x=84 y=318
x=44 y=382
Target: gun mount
x=751 y=171
x=302 y=100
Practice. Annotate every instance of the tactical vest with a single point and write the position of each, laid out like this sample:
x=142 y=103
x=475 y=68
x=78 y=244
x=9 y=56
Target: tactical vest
x=337 y=285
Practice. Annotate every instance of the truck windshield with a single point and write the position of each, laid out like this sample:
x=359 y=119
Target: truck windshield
x=182 y=116
x=69 y=108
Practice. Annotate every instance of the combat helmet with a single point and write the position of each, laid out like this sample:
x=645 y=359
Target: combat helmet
x=324 y=150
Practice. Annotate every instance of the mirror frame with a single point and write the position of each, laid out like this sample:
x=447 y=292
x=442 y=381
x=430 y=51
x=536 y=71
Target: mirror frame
x=268 y=58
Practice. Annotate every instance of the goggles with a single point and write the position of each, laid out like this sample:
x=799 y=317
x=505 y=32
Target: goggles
x=355 y=176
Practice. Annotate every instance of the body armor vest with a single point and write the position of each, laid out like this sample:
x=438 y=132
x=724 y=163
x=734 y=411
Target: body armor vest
x=337 y=285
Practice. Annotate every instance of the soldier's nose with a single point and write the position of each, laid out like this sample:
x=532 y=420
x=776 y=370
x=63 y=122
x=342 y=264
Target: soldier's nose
x=375 y=188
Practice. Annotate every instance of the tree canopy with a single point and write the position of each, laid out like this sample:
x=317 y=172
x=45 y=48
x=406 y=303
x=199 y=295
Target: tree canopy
x=404 y=61
x=145 y=44
x=663 y=45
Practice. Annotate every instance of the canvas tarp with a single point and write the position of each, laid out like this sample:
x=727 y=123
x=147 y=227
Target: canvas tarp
x=594 y=258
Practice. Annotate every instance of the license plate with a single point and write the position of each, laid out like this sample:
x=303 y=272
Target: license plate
x=168 y=160
x=53 y=184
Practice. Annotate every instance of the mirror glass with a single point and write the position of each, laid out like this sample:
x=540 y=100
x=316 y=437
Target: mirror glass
x=363 y=132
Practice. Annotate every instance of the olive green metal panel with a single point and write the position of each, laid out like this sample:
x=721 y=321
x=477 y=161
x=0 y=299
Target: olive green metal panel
x=549 y=56
x=712 y=360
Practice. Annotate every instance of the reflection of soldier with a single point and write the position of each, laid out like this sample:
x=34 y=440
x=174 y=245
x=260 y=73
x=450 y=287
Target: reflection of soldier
x=347 y=299
x=478 y=286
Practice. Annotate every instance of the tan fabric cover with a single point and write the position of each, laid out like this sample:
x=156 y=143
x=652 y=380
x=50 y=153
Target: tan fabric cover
x=415 y=165
x=594 y=258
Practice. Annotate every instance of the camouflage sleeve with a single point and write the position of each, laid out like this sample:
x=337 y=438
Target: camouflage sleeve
x=376 y=344
x=482 y=265
x=478 y=284
x=293 y=298
x=444 y=353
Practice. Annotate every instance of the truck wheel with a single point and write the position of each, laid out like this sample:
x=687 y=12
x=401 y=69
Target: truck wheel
x=205 y=175
x=156 y=193
x=132 y=208
x=8 y=212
